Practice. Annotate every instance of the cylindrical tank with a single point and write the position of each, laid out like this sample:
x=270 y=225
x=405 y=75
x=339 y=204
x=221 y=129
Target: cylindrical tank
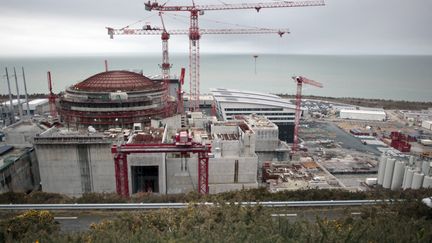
x=409 y=178
x=425 y=167
x=397 y=175
x=388 y=172
x=427 y=182
x=417 y=180
x=411 y=160
x=381 y=169
x=405 y=176
x=418 y=164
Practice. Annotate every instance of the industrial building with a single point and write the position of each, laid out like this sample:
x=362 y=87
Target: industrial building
x=281 y=112
x=371 y=115
x=418 y=116
x=232 y=161
x=114 y=99
x=19 y=170
x=74 y=163
x=427 y=125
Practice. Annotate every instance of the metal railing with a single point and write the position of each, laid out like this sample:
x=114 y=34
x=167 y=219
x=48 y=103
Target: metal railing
x=134 y=206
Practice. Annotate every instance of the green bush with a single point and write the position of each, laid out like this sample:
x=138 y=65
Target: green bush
x=31 y=225
x=100 y=198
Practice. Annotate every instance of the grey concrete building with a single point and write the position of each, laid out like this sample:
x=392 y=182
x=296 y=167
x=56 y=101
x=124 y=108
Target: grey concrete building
x=74 y=163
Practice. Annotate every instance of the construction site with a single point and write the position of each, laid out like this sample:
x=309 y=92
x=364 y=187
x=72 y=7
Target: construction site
x=125 y=132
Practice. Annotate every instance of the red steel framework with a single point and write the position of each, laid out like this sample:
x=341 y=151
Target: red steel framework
x=51 y=97
x=300 y=81
x=180 y=106
x=121 y=165
x=194 y=31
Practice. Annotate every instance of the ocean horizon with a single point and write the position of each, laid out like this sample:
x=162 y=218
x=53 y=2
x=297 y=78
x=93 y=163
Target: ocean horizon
x=394 y=77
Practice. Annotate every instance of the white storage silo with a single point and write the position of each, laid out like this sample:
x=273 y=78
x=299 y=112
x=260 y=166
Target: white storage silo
x=427 y=182
x=417 y=180
x=381 y=169
x=397 y=177
x=405 y=176
x=411 y=160
x=388 y=172
x=425 y=167
x=409 y=178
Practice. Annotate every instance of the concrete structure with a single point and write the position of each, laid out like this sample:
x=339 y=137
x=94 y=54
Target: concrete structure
x=230 y=103
x=268 y=147
x=74 y=163
x=427 y=125
x=114 y=99
x=205 y=101
x=89 y=164
x=19 y=170
x=371 y=115
x=21 y=133
x=233 y=167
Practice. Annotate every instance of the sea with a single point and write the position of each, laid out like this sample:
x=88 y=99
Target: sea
x=380 y=77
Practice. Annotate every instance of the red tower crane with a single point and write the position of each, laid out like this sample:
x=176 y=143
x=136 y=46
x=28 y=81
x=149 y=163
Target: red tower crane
x=180 y=107
x=51 y=97
x=195 y=32
x=121 y=165
x=300 y=81
x=165 y=35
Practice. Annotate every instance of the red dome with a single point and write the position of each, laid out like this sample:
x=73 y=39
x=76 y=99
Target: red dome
x=113 y=81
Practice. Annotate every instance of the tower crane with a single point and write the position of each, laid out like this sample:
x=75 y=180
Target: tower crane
x=51 y=97
x=300 y=81
x=180 y=107
x=165 y=35
x=195 y=32
x=165 y=66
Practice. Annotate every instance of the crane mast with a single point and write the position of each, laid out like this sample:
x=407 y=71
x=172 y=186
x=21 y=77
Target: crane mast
x=194 y=31
x=300 y=81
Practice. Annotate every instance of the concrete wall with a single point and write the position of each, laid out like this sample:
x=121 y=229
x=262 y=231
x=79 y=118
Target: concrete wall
x=61 y=172
x=21 y=134
x=215 y=129
x=22 y=175
x=181 y=179
x=182 y=175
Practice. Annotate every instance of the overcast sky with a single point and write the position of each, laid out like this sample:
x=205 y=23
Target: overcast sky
x=57 y=27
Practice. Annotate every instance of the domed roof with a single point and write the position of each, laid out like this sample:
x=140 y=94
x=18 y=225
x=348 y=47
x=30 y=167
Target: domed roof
x=111 y=81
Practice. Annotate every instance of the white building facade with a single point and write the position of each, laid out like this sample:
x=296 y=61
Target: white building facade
x=281 y=112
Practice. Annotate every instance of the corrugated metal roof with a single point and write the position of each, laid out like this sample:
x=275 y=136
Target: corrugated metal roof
x=5 y=148
x=249 y=97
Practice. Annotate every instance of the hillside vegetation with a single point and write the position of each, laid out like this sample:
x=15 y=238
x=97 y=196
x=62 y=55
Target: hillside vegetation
x=407 y=221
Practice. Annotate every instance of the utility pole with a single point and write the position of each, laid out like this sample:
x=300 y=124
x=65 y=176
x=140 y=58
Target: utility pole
x=10 y=98
x=18 y=96
x=25 y=90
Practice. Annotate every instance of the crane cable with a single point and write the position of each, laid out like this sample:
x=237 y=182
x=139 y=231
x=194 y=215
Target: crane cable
x=214 y=21
x=138 y=21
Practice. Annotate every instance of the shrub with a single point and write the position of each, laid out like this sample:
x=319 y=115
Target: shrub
x=31 y=224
